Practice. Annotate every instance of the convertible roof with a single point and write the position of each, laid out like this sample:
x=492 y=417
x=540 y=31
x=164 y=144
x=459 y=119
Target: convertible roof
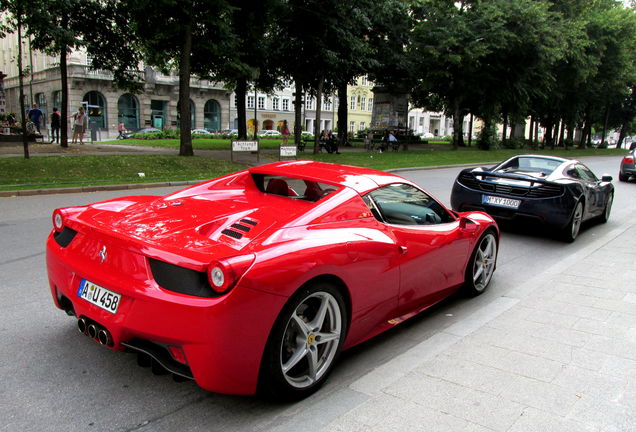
x=360 y=179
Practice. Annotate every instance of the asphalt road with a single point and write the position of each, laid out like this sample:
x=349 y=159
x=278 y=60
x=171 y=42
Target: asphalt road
x=54 y=379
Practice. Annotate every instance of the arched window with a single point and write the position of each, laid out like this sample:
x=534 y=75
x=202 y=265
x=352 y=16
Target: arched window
x=96 y=108
x=128 y=111
x=212 y=115
x=192 y=115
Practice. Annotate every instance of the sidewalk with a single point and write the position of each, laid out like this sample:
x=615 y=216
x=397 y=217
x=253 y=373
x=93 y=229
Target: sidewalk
x=557 y=354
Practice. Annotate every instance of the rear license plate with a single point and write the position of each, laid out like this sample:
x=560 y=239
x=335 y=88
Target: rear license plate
x=500 y=201
x=99 y=296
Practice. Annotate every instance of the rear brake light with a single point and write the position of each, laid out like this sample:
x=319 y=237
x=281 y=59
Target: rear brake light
x=628 y=159
x=58 y=220
x=224 y=274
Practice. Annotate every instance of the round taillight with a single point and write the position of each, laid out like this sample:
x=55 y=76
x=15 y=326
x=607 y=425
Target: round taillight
x=217 y=277
x=58 y=221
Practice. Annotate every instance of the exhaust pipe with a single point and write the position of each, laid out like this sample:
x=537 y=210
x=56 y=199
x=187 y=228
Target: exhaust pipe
x=104 y=337
x=92 y=331
x=82 y=325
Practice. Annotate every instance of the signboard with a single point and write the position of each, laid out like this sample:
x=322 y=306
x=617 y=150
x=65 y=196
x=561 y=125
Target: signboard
x=286 y=151
x=244 y=146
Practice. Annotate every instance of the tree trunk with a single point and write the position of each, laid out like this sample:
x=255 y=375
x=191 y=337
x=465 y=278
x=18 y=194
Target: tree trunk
x=64 y=107
x=298 y=111
x=536 y=134
x=605 y=122
x=561 y=134
x=458 y=125
x=318 y=116
x=25 y=141
x=185 y=134
x=505 y=127
x=342 y=113
x=530 y=140
x=241 y=110
x=621 y=135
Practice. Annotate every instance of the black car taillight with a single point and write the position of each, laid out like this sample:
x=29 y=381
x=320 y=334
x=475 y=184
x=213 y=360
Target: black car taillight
x=181 y=280
x=64 y=237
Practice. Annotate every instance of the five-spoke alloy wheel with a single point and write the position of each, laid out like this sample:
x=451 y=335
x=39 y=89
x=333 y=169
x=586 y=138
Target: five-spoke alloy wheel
x=304 y=343
x=482 y=264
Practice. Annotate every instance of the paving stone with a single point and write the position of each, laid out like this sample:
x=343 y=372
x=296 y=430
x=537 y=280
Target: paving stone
x=541 y=395
x=607 y=416
x=477 y=407
x=583 y=381
x=534 y=420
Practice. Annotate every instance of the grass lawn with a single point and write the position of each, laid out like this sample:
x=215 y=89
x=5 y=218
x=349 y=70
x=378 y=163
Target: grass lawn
x=59 y=171
x=425 y=158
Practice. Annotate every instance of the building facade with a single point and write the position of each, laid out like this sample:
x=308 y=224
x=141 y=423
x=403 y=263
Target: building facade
x=359 y=105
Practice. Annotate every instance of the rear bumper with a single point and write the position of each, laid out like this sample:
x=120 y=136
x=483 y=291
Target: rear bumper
x=223 y=338
x=554 y=211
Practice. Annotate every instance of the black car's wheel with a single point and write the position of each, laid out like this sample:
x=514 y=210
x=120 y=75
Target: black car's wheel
x=304 y=343
x=571 y=231
x=604 y=217
x=623 y=177
x=481 y=265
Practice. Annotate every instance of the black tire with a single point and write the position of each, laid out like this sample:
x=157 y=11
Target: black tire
x=309 y=349
x=482 y=264
x=571 y=230
x=604 y=217
x=623 y=177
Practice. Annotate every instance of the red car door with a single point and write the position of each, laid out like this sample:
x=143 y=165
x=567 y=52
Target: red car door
x=433 y=249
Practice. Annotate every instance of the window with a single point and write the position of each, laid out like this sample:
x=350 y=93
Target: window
x=212 y=115
x=362 y=126
x=370 y=104
x=352 y=126
x=285 y=104
x=128 y=111
x=261 y=102
x=421 y=121
x=363 y=103
x=310 y=103
x=352 y=105
x=96 y=109
x=235 y=100
x=403 y=204
x=364 y=81
x=276 y=104
x=327 y=104
x=250 y=102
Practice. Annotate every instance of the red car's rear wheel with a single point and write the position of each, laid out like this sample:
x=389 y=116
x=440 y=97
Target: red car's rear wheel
x=304 y=343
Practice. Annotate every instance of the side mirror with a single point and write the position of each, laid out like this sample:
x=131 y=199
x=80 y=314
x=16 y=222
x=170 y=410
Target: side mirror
x=606 y=178
x=467 y=225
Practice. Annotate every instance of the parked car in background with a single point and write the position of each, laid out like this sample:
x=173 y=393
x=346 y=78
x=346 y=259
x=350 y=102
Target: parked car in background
x=556 y=191
x=258 y=279
x=628 y=166
x=306 y=134
x=269 y=133
x=147 y=130
x=201 y=132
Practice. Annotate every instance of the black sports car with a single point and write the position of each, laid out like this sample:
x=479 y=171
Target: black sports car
x=557 y=191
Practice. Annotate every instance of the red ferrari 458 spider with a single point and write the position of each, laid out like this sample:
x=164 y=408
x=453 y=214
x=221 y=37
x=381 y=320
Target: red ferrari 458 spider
x=258 y=279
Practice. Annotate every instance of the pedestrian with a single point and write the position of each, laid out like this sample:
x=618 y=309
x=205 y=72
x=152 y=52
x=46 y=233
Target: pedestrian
x=323 y=141
x=392 y=141
x=122 y=130
x=35 y=114
x=80 y=124
x=332 y=143
x=55 y=126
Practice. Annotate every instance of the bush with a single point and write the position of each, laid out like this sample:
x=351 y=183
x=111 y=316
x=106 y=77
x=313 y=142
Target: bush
x=487 y=138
